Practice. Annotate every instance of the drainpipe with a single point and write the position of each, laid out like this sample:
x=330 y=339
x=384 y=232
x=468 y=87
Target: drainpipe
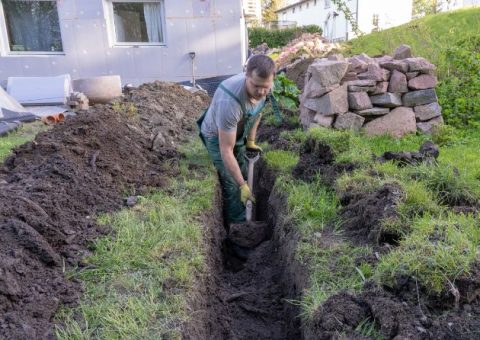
x=192 y=57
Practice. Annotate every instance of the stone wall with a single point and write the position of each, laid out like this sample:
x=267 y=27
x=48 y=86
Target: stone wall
x=385 y=95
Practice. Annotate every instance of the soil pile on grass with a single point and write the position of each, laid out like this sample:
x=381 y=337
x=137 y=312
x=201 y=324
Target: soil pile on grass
x=317 y=159
x=51 y=189
x=167 y=110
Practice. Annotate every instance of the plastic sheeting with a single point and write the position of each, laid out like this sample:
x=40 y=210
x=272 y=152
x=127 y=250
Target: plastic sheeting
x=40 y=90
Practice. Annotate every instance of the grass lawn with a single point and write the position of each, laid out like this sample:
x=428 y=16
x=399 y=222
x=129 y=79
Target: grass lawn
x=25 y=133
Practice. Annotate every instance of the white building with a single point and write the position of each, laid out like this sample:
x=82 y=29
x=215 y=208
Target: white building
x=388 y=13
x=253 y=10
x=141 y=40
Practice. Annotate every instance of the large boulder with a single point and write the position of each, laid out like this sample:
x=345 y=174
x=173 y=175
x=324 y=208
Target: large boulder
x=306 y=116
x=374 y=72
x=349 y=121
x=331 y=103
x=357 y=65
x=387 y=100
x=423 y=82
x=381 y=87
x=420 y=97
x=420 y=64
x=429 y=127
x=313 y=89
x=402 y=52
x=428 y=111
x=398 y=65
x=374 y=111
x=321 y=120
x=327 y=73
x=398 y=82
x=397 y=123
x=359 y=101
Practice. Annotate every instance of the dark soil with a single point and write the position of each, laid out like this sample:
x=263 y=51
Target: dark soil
x=317 y=161
x=51 y=191
x=406 y=317
x=248 y=294
x=271 y=134
x=362 y=214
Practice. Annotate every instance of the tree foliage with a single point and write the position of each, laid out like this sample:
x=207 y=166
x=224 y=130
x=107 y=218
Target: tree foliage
x=424 y=7
x=268 y=9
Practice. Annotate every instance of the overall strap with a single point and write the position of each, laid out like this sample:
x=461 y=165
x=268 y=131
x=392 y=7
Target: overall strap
x=227 y=91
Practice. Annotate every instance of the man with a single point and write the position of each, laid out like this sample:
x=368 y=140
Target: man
x=230 y=125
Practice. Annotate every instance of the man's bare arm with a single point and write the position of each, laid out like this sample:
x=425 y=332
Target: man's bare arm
x=227 y=143
x=253 y=132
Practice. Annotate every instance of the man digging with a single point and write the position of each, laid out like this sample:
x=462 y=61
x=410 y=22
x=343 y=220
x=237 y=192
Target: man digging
x=229 y=126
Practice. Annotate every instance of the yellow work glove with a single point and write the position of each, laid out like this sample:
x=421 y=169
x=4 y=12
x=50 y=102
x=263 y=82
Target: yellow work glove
x=246 y=194
x=252 y=146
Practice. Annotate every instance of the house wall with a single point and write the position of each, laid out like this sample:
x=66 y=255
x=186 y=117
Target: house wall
x=213 y=29
x=390 y=12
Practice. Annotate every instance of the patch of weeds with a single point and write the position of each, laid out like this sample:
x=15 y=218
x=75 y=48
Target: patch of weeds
x=296 y=136
x=445 y=135
x=360 y=180
x=312 y=206
x=451 y=186
x=381 y=144
x=283 y=161
x=127 y=108
x=25 y=133
x=368 y=328
x=333 y=268
x=436 y=252
x=137 y=281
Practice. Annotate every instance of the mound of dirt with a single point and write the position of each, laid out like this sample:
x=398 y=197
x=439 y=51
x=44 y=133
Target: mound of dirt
x=168 y=111
x=317 y=159
x=51 y=189
x=395 y=317
x=362 y=214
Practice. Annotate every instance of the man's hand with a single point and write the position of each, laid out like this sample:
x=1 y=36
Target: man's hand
x=246 y=194
x=252 y=146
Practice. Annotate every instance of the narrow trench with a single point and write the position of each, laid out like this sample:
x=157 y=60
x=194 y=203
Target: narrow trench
x=252 y=287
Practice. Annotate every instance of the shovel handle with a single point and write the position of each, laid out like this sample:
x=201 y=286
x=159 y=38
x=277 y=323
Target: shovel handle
x=248 y=210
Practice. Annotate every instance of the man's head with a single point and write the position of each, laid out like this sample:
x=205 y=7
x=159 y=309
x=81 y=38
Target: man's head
x=260 y=73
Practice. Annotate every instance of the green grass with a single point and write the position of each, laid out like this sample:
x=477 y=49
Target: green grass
x=139 y=280
x=25 y=133
x=436 y=252
x=282 y=161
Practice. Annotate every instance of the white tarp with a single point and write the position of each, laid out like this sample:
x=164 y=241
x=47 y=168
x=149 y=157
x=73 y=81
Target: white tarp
x=40 y=90
x=9 y=103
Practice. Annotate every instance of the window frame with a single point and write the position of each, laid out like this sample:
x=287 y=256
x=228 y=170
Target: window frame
x=113 y=33
x=5 y=41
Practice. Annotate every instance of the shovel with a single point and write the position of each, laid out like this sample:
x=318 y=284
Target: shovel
x=251 y=233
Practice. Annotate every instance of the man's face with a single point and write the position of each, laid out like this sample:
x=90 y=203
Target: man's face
x=258 y=87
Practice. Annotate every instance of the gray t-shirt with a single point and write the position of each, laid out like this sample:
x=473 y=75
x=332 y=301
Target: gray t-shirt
x=225 y=113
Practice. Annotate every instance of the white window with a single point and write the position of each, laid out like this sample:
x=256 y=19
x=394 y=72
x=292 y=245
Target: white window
x=327 y=4
x=32 y=26
x=138 y=22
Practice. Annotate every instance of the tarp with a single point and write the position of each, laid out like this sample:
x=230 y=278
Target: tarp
x=6 y=128
x=9 y=103
x=40 y=90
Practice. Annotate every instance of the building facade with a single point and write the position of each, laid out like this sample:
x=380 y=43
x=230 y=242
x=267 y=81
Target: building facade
x=140 y=40
x=369 y=15
x=253 y=10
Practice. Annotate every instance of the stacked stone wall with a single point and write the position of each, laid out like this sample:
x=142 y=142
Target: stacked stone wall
x=382 y=95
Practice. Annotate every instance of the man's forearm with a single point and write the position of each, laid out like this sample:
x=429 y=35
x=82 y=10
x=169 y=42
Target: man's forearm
x=232 y=167
x=253 y=132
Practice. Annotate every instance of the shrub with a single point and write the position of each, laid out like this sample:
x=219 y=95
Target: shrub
x=278 y=37
x=459 y=91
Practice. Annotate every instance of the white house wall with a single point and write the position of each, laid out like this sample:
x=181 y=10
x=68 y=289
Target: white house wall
x=390 y=13
x=217 y=37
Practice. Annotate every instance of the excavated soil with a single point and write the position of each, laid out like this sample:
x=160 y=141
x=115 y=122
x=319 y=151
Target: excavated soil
x=317 y=161
x=249 y=291
x=52 y=189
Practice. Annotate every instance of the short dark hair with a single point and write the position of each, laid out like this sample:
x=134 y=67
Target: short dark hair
x=263 y=65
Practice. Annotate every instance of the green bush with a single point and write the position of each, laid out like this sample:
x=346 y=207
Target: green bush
x=278 y=37
x=459 y=92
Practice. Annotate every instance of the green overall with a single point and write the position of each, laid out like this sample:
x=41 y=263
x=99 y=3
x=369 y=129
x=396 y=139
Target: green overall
x=233 y=208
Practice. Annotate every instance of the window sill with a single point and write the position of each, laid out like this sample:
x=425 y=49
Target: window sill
x=139 y=45
x=33 y=54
